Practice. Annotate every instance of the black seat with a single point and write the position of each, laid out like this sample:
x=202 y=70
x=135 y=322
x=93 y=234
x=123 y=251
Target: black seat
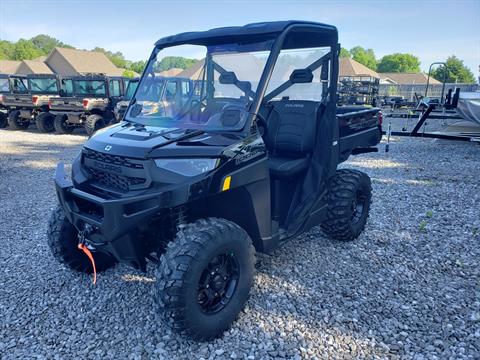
x=291 y=136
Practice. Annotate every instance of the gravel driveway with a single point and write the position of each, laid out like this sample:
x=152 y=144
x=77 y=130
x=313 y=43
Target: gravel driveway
x=409 y=286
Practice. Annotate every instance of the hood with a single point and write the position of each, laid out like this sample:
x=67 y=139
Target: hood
x=142 y=142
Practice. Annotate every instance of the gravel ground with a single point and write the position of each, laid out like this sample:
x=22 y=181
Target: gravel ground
x=408 y=287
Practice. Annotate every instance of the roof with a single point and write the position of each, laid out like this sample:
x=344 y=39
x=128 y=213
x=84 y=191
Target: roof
x=254 y=32
x=36 y=67
x=408 y=78
x=9 y=66
x=350 y=67
x=83 y=61
x=194 y=72
x=170 y=72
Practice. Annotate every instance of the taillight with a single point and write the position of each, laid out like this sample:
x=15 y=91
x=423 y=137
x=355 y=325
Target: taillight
x=380 y=118
x=34 y=100
x=49 y=103
x=2 y=98
x=85 y=103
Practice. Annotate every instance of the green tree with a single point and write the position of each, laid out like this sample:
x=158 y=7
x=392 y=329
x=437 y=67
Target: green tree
x=399 y=63
x=457 y=72
x=25 y=50
x=47 y=43
x=6 y=50
x=364 y=56
x=344 y=53
x=128 y=73
x=137 y=66
x=116 y=58
x=170 y=62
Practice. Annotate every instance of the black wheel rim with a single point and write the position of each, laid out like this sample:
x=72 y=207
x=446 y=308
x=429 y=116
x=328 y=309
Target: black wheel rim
x=218 y=283
x=358 y=206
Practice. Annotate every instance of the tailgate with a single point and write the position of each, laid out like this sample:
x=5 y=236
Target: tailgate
x=18 y=100
x=66 y=104
x=358 y=120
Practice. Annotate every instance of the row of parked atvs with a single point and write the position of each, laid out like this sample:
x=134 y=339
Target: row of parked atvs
x=61 y=104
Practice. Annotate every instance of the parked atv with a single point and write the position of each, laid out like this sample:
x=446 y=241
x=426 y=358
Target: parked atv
x=90 y=104
x=197 y=183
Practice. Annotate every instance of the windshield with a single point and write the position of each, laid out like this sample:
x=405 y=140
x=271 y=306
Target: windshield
x=198 y=87
x=4 y=87
x=89 y=87
x=44 y=86
x=19 y=85
x=132 y=86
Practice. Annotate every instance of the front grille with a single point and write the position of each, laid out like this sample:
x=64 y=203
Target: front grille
x=119 y=182
x=115 y=172
x=111 y=159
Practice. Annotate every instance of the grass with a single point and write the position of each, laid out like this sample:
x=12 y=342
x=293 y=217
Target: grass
x=422 y=226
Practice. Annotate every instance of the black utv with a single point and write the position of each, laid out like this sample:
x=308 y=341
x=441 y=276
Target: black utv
x=28 y=101
x=198 y=187
x=89 y=103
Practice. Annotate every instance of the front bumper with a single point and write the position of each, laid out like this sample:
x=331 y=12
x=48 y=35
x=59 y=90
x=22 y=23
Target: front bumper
x=113 y=221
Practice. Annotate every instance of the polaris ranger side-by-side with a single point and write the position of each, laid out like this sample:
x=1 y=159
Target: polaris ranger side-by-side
x=90 y=104
x=29 y=100
x=121 y=106
x=199 y=186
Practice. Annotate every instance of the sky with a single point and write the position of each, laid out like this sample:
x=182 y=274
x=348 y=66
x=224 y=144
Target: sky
x=431 y=30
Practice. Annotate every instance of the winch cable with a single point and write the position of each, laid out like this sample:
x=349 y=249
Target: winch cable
x=87 y=252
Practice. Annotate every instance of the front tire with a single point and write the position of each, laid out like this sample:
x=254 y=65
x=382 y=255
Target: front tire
x=15 y=122
x=62 y=239
x=94 y=123
x=61 y=126
x=204 y=278
x=349 y=199
x=45 y=122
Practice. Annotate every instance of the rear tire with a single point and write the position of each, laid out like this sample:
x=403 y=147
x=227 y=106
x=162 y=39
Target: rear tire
x=94 y=123
x=45 y=122
x=349 y=199
x=62 y=239
x=3 y=120
x=204 y=278
x=15 y=122
x=61 y=126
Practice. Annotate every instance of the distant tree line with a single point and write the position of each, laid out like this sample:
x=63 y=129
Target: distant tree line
x=42 y=45
x=457 y=72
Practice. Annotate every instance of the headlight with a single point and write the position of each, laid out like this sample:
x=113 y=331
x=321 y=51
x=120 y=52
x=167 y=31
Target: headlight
x=187 y=167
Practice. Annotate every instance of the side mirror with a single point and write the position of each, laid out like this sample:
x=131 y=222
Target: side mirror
x=228 y=78
x=301 y=76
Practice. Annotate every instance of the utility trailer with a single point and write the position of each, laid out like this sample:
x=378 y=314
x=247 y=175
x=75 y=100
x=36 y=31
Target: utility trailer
x=90 y=103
